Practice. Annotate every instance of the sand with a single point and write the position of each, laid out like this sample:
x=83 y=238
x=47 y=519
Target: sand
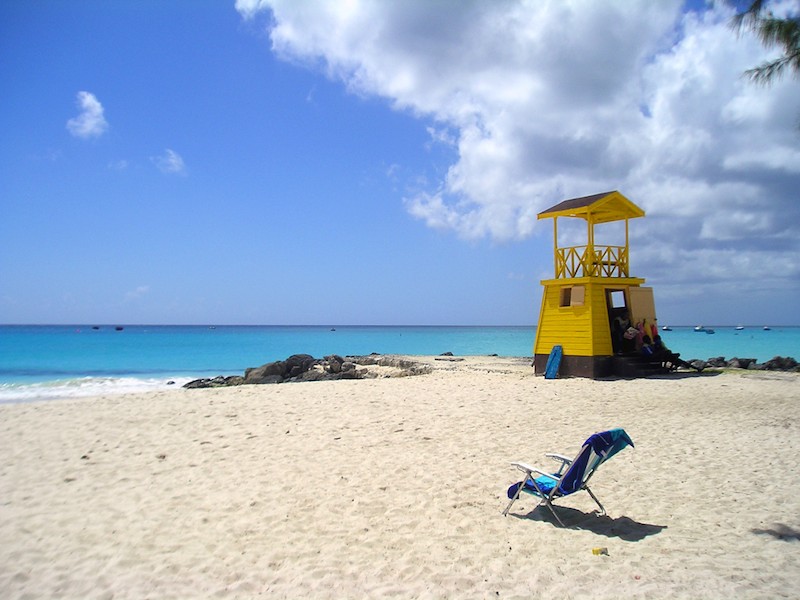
x=395 y=488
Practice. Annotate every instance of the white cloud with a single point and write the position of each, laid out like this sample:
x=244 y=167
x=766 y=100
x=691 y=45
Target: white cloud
x=90 y=122
x=170 y=162
x=248 y=8
x=118 y=165
x=548 y=100
x=137 y=293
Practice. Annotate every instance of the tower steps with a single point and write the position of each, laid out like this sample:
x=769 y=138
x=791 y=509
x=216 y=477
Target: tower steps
x=635 y=366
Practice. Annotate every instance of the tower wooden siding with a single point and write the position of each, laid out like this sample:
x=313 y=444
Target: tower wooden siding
x=571 y=333
x=584 y=332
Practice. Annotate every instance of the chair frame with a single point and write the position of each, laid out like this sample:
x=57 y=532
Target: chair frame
x=547 y=498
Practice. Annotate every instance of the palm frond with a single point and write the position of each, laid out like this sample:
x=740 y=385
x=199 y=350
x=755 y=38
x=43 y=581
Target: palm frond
x=779 y=32
x=772 y=31
x=767 y=72
x=748 y=18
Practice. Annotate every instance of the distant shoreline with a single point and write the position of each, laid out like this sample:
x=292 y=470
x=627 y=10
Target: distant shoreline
x=77 y=358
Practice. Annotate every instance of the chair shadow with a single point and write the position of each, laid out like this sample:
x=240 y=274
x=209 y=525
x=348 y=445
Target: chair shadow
x=623 y=528
x=780 y=532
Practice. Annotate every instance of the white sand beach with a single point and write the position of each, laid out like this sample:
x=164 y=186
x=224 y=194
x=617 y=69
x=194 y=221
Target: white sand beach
x=395 y=488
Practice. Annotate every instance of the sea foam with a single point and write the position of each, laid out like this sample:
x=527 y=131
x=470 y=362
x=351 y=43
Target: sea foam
x=82 y=387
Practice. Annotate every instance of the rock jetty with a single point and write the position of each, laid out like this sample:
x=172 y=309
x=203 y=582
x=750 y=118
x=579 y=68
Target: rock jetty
x=778 y=363
x=304 y=367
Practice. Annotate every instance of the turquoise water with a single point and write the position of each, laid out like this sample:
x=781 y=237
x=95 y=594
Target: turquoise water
x=751 y=342
x=62 y=361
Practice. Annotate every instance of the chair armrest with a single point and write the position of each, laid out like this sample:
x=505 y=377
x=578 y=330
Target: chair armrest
x=529 y=469
x=564 y=459
x=524 y=467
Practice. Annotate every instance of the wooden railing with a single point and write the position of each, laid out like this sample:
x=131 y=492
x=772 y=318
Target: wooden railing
x=592 y=261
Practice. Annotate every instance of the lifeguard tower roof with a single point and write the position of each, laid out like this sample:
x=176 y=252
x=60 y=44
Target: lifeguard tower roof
x=599 y=208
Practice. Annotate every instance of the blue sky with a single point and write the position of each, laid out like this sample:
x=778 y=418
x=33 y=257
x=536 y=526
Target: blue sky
x=382 y=163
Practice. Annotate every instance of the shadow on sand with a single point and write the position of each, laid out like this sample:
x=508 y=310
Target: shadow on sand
x=622 y=528
x=780 y=532
x=667 y=376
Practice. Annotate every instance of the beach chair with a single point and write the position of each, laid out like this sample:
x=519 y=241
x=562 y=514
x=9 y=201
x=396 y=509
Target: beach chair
x=573 y=475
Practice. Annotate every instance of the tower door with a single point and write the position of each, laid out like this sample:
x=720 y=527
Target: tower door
x=617 y=308
x=642 y=305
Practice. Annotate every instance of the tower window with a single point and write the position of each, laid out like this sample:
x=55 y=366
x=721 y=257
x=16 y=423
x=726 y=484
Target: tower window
x=572 y=296
x=617 y=298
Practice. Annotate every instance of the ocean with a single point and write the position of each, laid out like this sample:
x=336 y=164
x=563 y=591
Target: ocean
x=60 y=361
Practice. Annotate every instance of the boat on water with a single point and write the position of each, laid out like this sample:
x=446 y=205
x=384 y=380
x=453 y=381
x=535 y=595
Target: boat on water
x=739 y=327
x=699 y=328
x=766 y=328
x=666 y=328
x=709 y=330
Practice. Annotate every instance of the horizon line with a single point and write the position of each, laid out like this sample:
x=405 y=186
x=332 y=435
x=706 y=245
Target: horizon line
x=331 y=325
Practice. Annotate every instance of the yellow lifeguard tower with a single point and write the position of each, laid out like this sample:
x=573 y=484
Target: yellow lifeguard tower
x=592 y=290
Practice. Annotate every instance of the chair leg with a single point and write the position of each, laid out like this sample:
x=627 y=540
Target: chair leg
x=514 y=499
x=602 y=512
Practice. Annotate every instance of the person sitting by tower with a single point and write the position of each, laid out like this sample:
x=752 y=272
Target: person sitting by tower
x=671 y=360
x=623 y=335
x=647 y=349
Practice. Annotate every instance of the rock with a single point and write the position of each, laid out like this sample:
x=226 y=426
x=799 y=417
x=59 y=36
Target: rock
x=304 y=367
x=334 y=363
x=220 y=381
x=740 y=363
x=265 y=373
x=446 y=354
x=780 y=363
x=297 y=364
x=351 y=374
x=280 y=370
x=398 y=363
x=317 y=373
x=372 y=359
